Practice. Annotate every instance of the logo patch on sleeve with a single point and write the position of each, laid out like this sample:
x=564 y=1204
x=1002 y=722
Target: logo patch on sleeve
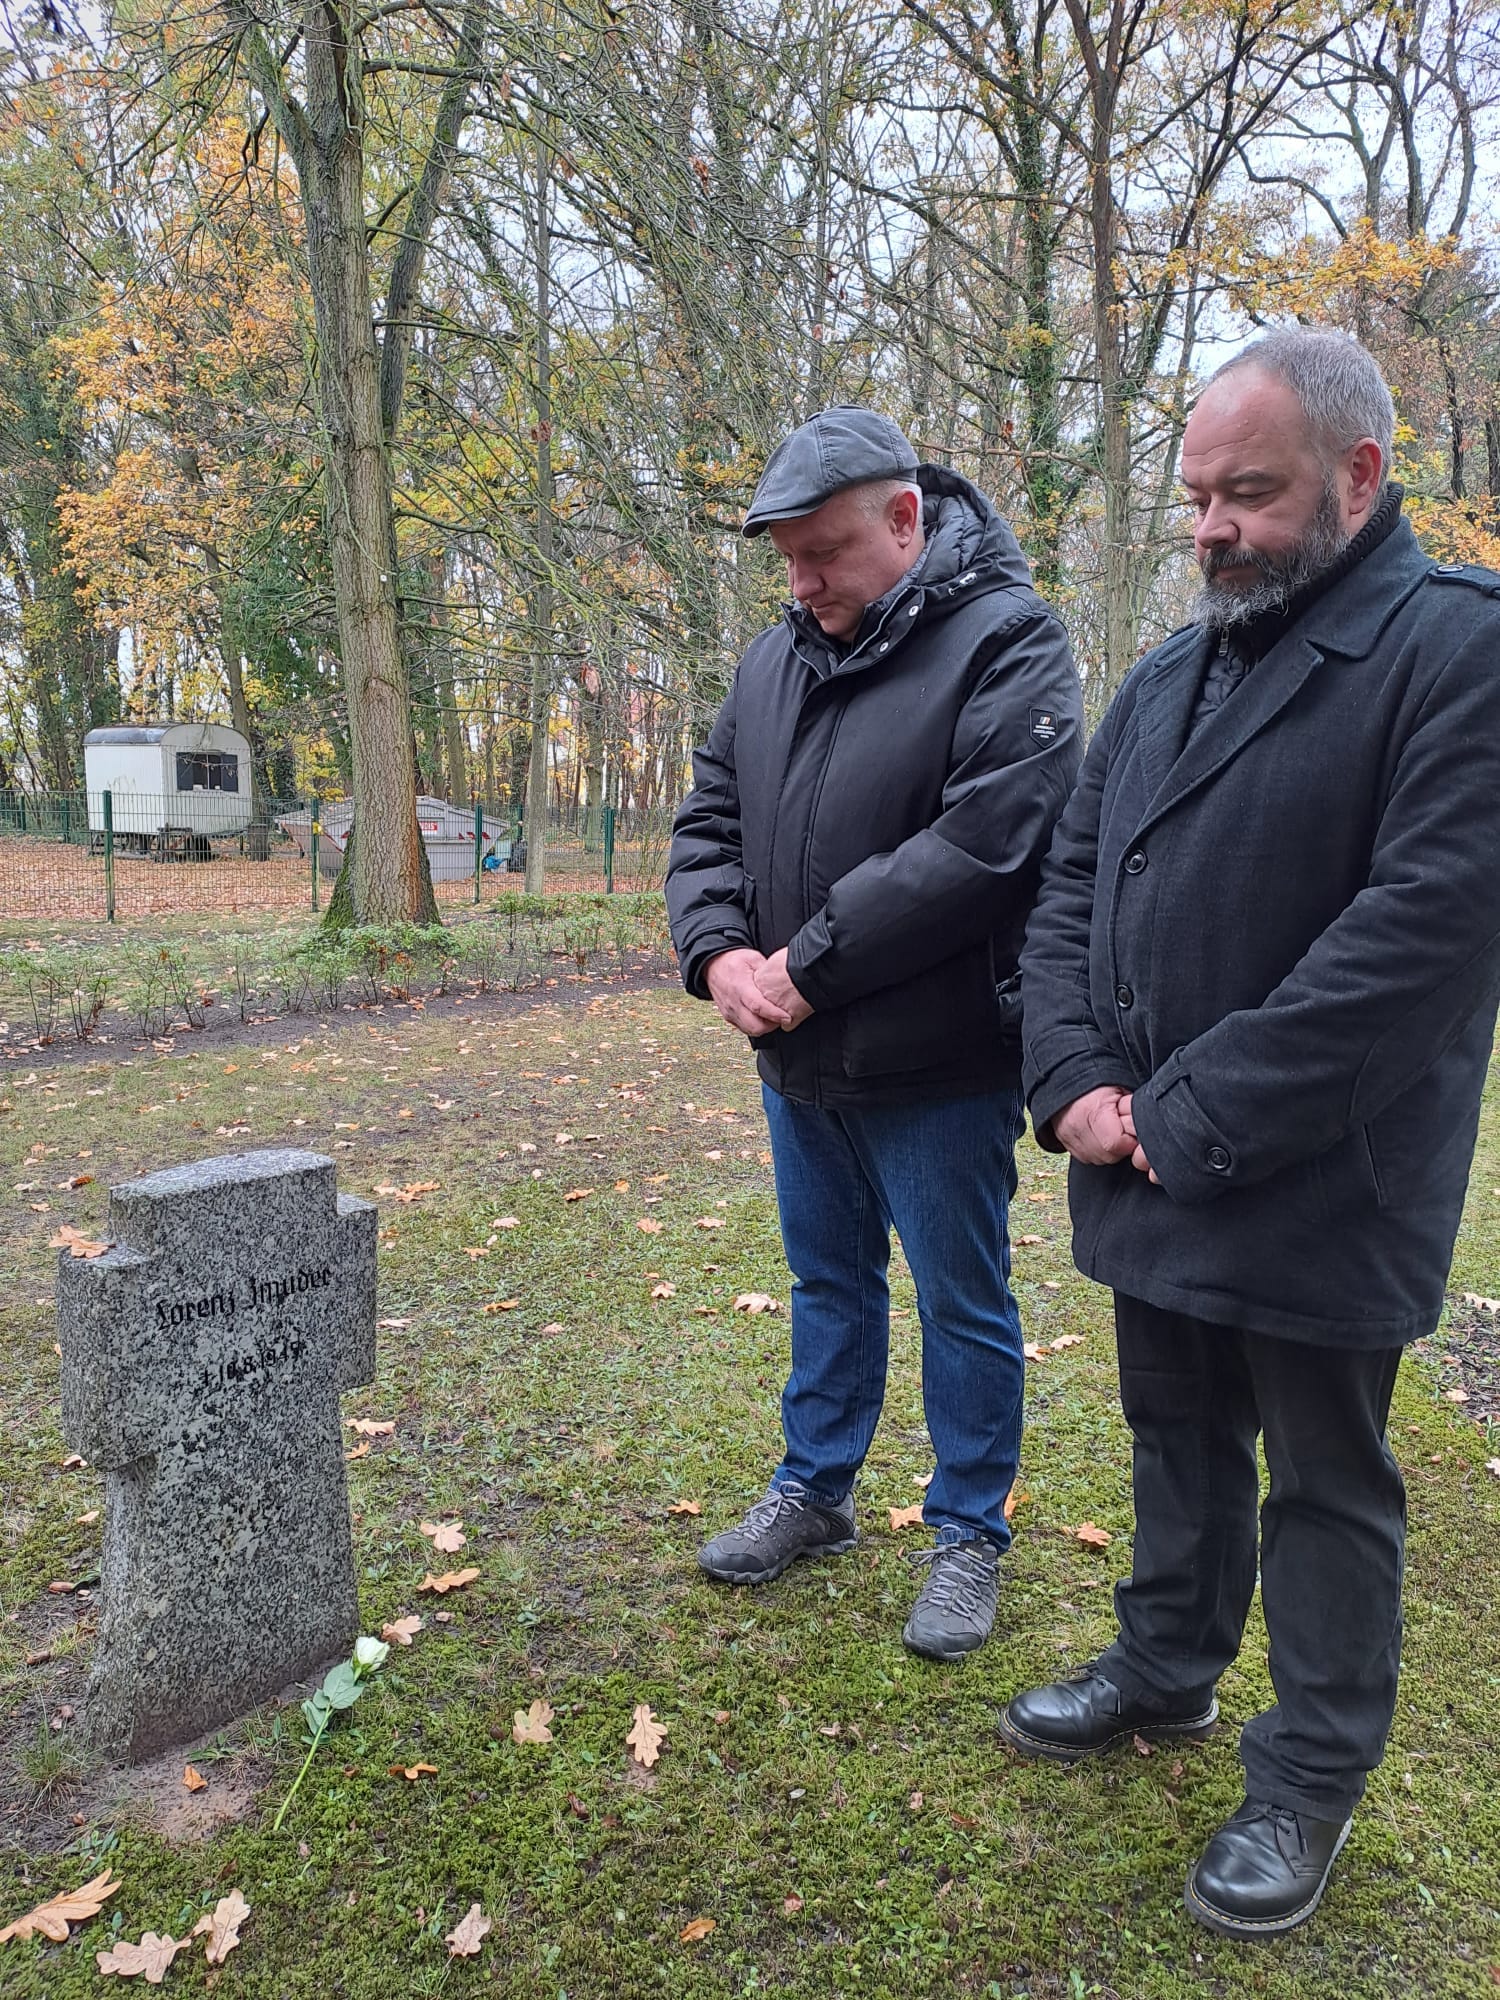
x=1044 y=726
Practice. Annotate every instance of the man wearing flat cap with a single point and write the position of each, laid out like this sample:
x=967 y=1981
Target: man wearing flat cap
x=849 y=884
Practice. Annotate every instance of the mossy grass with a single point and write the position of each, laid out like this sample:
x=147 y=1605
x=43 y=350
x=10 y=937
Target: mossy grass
x=844 y=1813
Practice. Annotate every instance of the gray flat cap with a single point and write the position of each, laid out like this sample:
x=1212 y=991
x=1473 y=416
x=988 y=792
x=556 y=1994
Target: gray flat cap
x=844 y=446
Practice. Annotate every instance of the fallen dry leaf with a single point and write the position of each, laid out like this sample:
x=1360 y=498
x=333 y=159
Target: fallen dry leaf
x=222 y=1925
x=506 y=1222
x=1030 y=1242
x=1493 y=1465
x=413 y=1771
x=1032 y=1351
x=68 y=1238
x=622 y=1187
x=709 y=1222
x=401 y=1631
x=664 y=1291
x=453 y=1579
x=193 y=1781
x=1456 y=1395
x=1097 y=1538
x=413 y=1191
x=447 y=1537
x=151 y=1956
x=648 y=1225
x=906 y=1517
x=578 y=1194
x=1013 y=1500
x=791 y=1904
x=686 y=1507
x=87 y=1520
x=368 y=1427
x=646 y=1736
x=1067 y=1340
x=530 y=1725
x=393 y=1324
x=464 y=1940
x=757 y=1302
x=697 y=1930
x=73 y=1906
x=359 y=1451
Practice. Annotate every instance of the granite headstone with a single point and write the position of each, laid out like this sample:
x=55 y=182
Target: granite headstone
x=202 y=1359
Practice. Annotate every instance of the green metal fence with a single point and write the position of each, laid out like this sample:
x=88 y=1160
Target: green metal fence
x=123 y=854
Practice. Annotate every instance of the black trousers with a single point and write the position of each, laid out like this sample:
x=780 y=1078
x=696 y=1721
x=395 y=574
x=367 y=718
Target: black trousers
x=1332 y=1538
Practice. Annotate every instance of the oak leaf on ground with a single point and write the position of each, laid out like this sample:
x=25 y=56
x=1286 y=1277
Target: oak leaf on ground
x=193 y=1781
x=464 y=1940
x=906 y=1517
x=756 y=1302
x=709 y=1222
x=530 y=1725
x=453 y=1579
x=151 y=1956
x=1013 y=1500
x=697 y=1930
x=68 y=1238
x=578 y=1194
x=664 y=1290
x=369 y=1427
x=73 y=1906
x=646 y=1736
x=413 y=1771
x=222 y=1925
x=401 y=1631
x=648 y=1225
x=447 y=1537
x=686 y=1507
x=1096 y=1537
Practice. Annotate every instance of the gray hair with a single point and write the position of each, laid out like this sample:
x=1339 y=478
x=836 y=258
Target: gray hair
x=1336 y=381
x=875 y=495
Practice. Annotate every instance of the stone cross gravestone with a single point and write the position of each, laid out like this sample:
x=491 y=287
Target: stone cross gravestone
x=202 y=1358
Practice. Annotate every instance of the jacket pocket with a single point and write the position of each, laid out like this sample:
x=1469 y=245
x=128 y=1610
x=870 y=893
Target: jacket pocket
x=1348 y=1178
x=933 y=1020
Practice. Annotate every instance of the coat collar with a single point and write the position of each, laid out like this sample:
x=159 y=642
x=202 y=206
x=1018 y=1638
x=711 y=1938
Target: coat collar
x=1346 y=620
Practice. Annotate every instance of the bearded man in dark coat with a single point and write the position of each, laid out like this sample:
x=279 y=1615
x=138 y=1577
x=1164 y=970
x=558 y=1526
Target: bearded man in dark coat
x=1260 y=993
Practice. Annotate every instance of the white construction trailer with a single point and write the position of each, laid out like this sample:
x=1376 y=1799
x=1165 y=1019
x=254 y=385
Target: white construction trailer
x=168 y=779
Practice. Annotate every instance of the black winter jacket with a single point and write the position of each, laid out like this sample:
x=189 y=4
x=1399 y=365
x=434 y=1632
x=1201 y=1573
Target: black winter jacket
x=882 y=811
x=1285 y=938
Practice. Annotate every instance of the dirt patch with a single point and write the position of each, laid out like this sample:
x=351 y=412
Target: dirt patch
x=1469 y=1354
x=154 y=1794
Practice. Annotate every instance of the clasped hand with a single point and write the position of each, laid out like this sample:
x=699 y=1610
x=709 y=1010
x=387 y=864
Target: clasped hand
x=755 y=993
x=1098 y=1129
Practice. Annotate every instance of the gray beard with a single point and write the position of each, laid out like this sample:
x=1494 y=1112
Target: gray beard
x=1278 y=577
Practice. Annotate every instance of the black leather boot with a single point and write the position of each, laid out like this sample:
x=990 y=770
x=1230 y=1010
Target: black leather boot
x=1264 y=1871
x=1085 y=1714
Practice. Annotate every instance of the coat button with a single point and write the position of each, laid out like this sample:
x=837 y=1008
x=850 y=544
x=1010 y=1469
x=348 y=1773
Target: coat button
x=1123 y=996
x=1218 y=1158
x=1135 y=861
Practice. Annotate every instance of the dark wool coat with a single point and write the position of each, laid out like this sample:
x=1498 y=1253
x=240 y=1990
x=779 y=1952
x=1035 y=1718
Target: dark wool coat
x=882 y=811
x=1285 y=938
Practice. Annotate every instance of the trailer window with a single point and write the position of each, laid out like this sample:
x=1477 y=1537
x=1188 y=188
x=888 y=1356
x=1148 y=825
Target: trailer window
x=208 y=771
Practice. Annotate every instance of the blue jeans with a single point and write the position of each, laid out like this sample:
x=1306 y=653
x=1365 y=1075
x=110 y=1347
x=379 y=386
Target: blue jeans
x=943 y=1176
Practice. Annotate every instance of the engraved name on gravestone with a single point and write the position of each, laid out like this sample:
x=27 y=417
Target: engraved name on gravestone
x=202 y=1359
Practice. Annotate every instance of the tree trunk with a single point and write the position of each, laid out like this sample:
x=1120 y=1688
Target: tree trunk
x=540 y=713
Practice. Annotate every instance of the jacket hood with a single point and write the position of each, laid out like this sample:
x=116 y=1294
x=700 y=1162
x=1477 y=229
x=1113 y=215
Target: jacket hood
x=965 y=531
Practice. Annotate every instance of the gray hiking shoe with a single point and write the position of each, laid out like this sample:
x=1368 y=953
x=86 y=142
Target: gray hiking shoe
x=956 y=1607
x=787 y=1524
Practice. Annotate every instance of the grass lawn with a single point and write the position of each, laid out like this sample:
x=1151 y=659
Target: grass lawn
x=843 y=1813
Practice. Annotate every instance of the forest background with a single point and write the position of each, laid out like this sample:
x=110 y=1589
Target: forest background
x=390 y=378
